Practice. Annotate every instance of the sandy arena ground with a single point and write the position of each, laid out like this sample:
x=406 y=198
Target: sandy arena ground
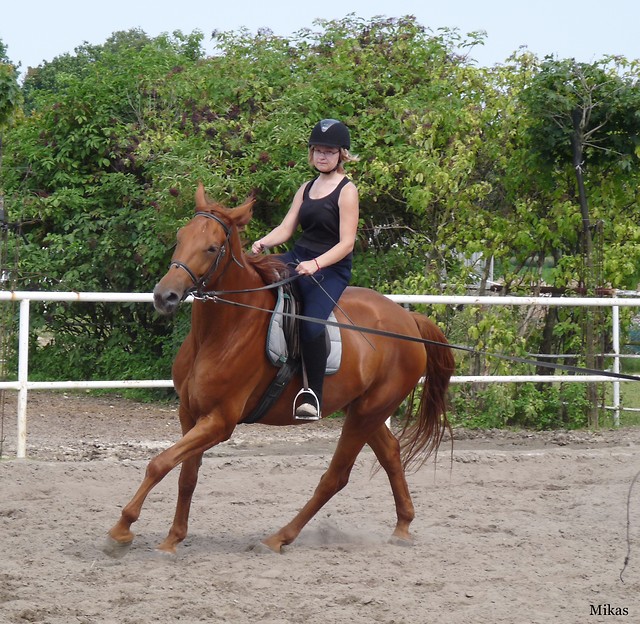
x=518 y=528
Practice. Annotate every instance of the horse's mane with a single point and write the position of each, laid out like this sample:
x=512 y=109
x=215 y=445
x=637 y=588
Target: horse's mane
x=270 y=268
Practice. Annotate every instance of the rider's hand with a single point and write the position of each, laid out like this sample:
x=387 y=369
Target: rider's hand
x=257 y=247
x=308 y=267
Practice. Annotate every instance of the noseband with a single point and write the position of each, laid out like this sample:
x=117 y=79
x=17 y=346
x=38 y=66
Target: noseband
x=198 y=284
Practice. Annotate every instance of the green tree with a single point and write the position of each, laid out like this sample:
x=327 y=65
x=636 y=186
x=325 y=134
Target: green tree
x=74 y=170
x=584 y=119
x=115 y=138
x=9 y=97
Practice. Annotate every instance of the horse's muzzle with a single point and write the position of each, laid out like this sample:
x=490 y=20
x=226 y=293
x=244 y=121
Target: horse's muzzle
x=166 y=300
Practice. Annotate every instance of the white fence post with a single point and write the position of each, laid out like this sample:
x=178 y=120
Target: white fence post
x=23 y=378
x=615 y=321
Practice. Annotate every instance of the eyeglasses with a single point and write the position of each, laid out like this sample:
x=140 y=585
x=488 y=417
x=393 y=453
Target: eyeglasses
x=324 y=152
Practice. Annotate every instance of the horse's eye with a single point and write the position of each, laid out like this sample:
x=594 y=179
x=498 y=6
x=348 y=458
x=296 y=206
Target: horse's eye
x=213 y=249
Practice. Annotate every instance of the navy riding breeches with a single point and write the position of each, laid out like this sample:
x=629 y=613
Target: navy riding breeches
x=318 y=292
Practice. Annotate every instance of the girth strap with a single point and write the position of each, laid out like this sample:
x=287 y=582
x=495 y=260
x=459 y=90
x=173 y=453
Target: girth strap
x=290 y=366
x=285 y=374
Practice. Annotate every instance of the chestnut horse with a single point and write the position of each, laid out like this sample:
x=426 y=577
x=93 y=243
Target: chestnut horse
x=221 y=371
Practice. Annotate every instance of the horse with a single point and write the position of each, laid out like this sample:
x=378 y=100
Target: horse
x=221 y=371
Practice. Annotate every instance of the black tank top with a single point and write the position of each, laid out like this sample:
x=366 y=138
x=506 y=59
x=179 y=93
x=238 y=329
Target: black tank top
x=320 y=219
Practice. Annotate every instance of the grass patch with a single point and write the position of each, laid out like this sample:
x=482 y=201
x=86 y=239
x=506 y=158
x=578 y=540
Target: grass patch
x=629 y=396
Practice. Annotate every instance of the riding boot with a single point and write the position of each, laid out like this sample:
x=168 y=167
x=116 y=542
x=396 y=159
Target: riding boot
x=314 y=353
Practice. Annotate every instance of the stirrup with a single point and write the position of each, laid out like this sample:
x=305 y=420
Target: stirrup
x=309 y=409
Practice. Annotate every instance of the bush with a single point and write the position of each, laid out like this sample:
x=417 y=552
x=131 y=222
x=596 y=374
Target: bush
x=522 y=405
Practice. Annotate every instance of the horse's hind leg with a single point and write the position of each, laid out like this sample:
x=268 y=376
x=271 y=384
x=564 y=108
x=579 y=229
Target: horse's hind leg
x=387 y=450
x=334 y=479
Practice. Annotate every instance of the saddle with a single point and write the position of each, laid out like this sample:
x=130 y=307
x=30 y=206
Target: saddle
x=283 y=348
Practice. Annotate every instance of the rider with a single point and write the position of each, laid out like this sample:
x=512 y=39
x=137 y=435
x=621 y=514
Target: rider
x=327 y=210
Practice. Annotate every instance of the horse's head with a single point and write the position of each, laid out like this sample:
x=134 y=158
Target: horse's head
x=205 y=247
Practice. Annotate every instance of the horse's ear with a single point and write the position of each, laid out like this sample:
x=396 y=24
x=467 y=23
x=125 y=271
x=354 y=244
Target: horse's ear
x=242 y=214
x=201 y=197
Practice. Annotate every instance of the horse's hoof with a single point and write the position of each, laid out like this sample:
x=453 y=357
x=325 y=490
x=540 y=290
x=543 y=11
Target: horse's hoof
x=115 y=549
x=401 y=541
x=262 y=549
x=165 y=555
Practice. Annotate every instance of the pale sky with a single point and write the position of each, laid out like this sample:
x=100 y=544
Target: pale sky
x=585 y=30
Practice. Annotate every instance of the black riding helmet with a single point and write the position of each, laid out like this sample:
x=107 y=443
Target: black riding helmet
x=332 y=133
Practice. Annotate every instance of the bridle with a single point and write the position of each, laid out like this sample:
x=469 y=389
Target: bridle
x=200 y=283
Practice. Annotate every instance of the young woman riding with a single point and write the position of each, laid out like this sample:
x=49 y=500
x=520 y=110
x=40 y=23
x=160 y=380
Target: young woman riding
x=327 y=210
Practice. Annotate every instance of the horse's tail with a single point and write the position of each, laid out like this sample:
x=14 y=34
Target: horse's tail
x=423 y=432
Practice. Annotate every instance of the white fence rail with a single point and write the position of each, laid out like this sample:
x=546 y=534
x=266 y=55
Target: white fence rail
x=23 y=385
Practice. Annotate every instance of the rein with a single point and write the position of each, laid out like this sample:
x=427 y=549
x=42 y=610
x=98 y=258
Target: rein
x=215 y=297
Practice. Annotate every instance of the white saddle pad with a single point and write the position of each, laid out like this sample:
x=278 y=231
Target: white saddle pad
x=277 y=345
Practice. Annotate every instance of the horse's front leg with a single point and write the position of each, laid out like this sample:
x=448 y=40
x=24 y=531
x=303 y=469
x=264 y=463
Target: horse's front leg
x=207 y=432
x=186 y=487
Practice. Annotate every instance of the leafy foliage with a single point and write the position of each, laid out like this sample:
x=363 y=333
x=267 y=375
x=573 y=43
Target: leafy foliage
x=456 y=162
x=9 y=90
x=525 y=405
